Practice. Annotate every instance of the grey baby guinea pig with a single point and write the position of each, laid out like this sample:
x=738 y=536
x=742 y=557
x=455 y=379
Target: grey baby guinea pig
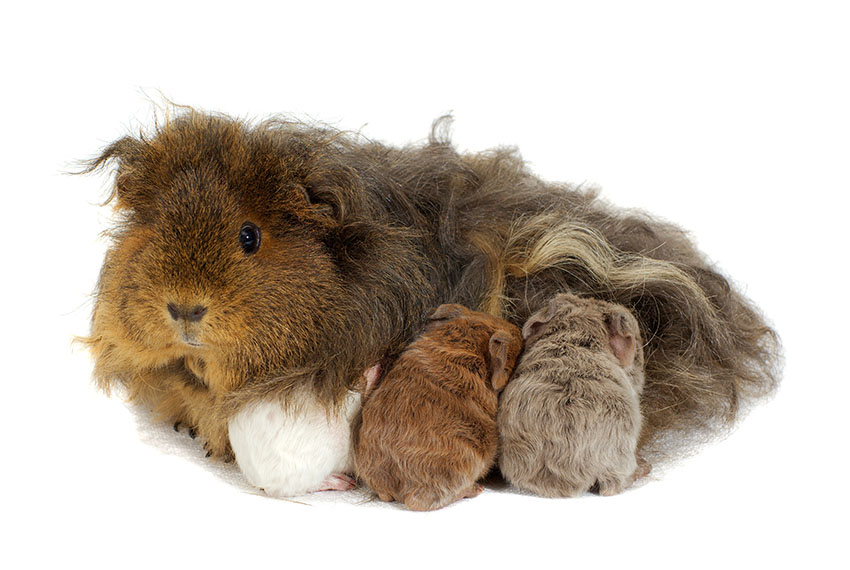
x=569 y=420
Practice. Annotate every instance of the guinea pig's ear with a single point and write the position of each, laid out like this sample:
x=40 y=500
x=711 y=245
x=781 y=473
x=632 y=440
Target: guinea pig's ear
x=499 y=369
x=319 y=205
x=124 y=151
x=448 y=312
x=536 y=322
x=621 y=336
x=333 y=192
x=121 y=149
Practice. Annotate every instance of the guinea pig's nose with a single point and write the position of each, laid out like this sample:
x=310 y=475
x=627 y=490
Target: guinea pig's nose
x=185 y=312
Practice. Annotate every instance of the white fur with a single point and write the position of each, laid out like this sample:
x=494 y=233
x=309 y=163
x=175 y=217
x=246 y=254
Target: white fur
x=293 y=453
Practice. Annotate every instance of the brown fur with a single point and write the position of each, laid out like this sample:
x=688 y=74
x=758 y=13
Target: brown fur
x=428 y=431
x=570 y=418
x=358 y=240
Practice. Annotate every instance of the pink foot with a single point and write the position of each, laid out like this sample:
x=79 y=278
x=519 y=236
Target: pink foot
x=337 y=482
x=371 y=375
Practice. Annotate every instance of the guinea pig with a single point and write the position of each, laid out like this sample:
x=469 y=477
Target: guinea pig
x=296 y=448
x=299 y=446
x=570 y=418
x=428 y=430
x=251 y=260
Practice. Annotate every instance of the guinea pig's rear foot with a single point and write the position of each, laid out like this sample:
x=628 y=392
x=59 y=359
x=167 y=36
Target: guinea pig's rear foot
x=337 y=482
x=643 y=469
x=425 y=501
x=612 y=485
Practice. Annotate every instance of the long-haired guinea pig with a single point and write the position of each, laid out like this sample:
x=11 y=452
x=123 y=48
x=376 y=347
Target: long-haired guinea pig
x=252 y=259
x=298 y=446
x=570 y=419
x=428 y=430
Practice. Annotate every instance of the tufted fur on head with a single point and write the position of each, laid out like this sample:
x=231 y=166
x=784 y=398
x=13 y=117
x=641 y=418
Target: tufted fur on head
x=357 y=241
x=428 y=431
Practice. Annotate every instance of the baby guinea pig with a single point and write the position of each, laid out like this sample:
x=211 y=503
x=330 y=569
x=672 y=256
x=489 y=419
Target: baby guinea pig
x=428 y=430
x=298 y=448
x=570 y=419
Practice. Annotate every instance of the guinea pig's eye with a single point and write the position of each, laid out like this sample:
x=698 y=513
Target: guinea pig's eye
x=249 y=238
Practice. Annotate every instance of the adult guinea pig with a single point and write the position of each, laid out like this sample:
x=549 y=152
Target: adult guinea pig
x=428 y=431
x=253 y=260
x=570 y=419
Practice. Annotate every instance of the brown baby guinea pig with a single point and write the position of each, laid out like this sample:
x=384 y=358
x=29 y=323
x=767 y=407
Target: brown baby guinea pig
x=570 y=420
x=428 y=430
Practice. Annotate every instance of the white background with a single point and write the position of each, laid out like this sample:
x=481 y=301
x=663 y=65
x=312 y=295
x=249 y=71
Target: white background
x=731 y=119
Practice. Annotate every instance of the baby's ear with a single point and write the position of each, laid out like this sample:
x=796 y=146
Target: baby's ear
x=621 y=336
x=499 y=370
x=536 y=322
x=448 y=312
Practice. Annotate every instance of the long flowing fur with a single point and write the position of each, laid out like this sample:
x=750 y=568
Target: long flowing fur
x=392 y=233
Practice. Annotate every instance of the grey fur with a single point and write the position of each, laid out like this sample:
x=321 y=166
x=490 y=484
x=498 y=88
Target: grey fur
x=570 y=419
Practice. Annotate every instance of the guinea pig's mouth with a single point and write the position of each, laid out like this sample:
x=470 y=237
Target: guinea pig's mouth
x=191 y=340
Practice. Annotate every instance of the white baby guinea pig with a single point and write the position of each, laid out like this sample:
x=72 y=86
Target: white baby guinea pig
x=298 y=448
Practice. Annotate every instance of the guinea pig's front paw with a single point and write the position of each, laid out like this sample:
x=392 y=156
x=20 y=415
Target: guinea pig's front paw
x=192 y=433
x=371 y=377
x=222 y=452
x=337 y=482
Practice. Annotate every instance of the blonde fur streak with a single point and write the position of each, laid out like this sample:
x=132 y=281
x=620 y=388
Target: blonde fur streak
x=545 y=242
